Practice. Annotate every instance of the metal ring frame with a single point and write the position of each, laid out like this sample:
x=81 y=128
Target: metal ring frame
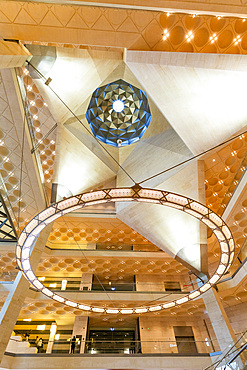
x=32 y=230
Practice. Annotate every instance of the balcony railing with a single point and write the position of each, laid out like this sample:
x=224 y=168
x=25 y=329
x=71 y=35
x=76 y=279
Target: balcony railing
x=74 y=284
x=233 y=357
x=239 y=260
x=111 y=247
x=126 y=347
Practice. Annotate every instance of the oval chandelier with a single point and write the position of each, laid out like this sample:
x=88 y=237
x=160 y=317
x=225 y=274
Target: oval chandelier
x=136 y=193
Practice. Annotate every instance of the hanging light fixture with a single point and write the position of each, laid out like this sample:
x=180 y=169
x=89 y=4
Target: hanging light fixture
x=136 y=193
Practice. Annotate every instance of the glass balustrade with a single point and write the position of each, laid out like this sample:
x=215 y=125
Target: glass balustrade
x=233 y=356
x=126 y=347
x=74 y=284
x=111 y=247
x=239 y=259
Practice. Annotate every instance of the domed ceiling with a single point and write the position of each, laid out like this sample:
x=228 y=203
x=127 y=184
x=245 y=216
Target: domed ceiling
x=118 y=113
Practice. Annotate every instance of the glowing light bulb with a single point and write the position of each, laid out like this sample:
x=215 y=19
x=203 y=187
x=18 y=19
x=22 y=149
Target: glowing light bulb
x=118 y=106
x=166 y=34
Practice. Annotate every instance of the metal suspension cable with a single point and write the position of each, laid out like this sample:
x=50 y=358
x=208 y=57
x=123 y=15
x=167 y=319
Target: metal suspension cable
x=21 y=171
x=78 y=119
x=226 y=352
x=36 y=146
x=97 y=277
x=88 y=262
x=194 y=157
x=145 y=180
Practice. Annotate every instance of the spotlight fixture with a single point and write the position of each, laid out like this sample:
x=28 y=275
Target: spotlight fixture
x=189 y=36
x=213 y=38
x=166 y=34
x=237 y=40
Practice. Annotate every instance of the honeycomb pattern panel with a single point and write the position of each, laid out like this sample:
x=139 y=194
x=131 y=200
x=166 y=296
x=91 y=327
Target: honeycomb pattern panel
x=42 y=307
x=55 y=310
x=201 y=34
x=114 y=268
x=111 y=231
x=21 y=204
x=238 y=225
x=223 y=171
x=41 y=124
x=8 y=269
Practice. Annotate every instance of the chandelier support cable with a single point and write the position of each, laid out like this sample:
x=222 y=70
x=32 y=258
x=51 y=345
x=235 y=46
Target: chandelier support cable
x=194 y=157
x=78 y=119
x=88 y=262
x=21 y=172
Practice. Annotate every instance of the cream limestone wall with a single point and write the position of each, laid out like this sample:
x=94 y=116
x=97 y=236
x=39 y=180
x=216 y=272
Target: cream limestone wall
x=80 y=328
x=150 y=283
x=238 y=317
x=108 y=362
x=86 y=281
x=16 y=345
x=155 y=283
x=157 y=334
x=16 y=297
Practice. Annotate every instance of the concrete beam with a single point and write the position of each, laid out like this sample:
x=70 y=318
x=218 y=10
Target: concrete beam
x=96 y=296
x=87 y=361
x=13 y=54
x=233 y=7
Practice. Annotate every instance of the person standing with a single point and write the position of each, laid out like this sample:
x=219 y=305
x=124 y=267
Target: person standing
x=72 y=346
x=40 y=345
x=27 y=337
x=36 y=343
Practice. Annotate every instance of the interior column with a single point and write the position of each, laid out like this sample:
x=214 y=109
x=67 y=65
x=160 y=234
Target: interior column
x=16 y=297
x=80 y=328
x=220 y=322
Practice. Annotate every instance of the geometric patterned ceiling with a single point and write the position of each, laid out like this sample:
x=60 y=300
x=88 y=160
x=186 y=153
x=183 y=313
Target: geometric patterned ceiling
x=124 y=125
x=135 y=29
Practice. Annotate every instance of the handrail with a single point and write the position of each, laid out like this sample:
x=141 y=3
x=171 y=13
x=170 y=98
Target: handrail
x=237 y=354
x=50 y=243
x=227 y=353
x=241 y=263
x=139 y=288
x=124 y=341
x=28 y=122
x=240 y=250
x=6 y=282
x=113 y=283
x=129 y=346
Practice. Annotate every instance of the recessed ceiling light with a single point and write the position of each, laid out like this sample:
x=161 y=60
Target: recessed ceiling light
x=118 y=106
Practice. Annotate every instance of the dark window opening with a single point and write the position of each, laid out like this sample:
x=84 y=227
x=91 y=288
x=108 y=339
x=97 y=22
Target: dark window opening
x=185 y=339
x=172 y=286
x=111 y=340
